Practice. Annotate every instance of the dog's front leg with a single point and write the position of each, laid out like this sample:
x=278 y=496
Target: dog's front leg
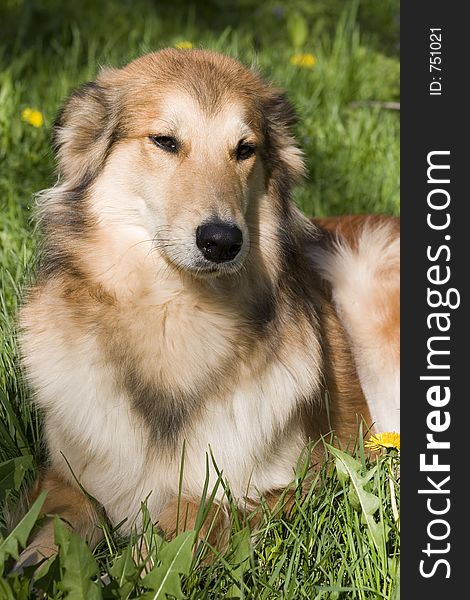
x=70 y=504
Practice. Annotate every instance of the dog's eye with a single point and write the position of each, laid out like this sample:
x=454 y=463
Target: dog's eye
x=165 y=142
x=245 y=150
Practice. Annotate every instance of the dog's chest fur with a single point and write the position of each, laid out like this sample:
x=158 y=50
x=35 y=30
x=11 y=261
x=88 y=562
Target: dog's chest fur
x=121 y=398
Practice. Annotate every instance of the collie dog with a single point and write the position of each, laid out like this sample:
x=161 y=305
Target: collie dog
x=184 y=303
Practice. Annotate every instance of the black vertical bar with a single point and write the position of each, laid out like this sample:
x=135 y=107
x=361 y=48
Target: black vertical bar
x=434 y=113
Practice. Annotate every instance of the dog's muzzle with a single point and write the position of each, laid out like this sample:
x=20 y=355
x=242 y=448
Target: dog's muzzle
x=218 y=241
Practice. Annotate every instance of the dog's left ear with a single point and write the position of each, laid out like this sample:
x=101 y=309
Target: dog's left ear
x=85 y=129
x=282 y=146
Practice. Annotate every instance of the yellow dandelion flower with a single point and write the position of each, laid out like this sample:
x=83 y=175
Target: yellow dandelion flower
x=185 y=45
x=389 y=439
x=33 y=117
x=303 y=60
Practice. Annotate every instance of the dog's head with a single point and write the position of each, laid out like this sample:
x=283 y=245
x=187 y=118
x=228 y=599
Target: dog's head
x=184 y=145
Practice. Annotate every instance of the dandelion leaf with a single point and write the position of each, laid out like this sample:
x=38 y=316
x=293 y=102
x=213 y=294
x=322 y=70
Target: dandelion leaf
x=78 y=567
x=61 y=537
x=47 y=574
x=359 y=497
x=174 y=559
x=124 y=573
x=17 y=539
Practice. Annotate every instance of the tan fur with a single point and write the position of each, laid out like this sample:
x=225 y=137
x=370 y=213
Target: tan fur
x=66 y=500
x=134 y=344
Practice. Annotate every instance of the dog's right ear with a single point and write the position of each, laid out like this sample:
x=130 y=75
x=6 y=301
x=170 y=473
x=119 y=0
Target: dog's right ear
x=84 y=131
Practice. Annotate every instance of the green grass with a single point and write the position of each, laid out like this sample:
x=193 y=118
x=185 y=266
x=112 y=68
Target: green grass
x=351 y=144
x=341 y=540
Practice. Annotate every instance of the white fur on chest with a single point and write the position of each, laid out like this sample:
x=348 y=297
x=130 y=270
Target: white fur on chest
x=252 y=434
x=251 y=431
x=91 y=424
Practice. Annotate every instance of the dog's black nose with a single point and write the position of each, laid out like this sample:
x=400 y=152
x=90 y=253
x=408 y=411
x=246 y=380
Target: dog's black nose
x=219 y=242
